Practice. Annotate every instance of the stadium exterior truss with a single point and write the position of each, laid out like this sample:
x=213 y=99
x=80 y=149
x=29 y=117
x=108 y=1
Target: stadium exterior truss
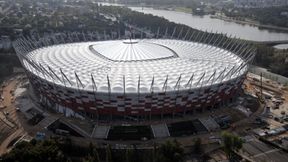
x=83 y=74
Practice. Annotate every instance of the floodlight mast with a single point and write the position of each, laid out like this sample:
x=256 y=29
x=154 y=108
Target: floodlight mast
x=191 y=36
x=94 y=87
x=212 y=38
x=66 y=78
x=157 y=33
x=173 y=33
x=190 y=82
x=138 y=87
x=166 y=31
x=152 y=84
x=124 y=85
x=180 y=33
x=164 y=88
x=184 y=38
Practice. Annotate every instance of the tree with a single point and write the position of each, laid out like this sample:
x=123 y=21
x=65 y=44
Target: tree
x=93 y=153
x=35 y=151
x=154 y=153
x=197 y=149
x=91 y=148
x=88 y=159
x=129 y=155
x=96 y=156
x=170 y=152
x=231 y=143
x=108 y=154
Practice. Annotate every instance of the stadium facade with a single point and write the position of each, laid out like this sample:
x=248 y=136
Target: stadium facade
x=117 y=78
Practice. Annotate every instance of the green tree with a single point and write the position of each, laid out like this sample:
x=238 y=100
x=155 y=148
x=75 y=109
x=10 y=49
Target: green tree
x=154 y=153
x=96 y=155
x=170 y=152
x=35 y=151
x=197 y=147
x=91 y=148
x=231 y=143
x=88 y=159
x=93 y=153
x=129 y=155
x=108 y=153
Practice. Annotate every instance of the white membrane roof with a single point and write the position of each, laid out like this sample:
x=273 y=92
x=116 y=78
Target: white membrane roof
x=137 y=66
x=132 y=50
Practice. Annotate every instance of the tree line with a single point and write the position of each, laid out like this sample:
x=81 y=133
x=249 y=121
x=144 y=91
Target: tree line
x=64 y=150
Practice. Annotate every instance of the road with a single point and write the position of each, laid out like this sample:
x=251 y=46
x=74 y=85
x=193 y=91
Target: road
x=12 y=119
x=260 y=152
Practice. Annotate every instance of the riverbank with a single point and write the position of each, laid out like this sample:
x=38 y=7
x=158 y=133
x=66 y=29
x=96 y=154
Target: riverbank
x=252 y=23
x=229 y=19
x=206 y=23
x=225 y=18
x=188 y=10
x=269 y=75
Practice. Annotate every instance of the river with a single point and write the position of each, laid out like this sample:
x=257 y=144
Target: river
x=206 y=23
x=239 y=30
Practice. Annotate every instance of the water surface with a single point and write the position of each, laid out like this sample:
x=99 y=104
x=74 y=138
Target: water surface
x=206 y=23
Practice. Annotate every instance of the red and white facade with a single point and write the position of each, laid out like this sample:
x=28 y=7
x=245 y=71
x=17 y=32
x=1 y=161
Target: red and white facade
x=133 y=77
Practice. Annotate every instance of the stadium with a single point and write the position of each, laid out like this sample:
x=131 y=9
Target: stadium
x=81 y=76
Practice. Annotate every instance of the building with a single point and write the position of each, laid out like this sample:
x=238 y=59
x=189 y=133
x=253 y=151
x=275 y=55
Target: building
x=5 y=43
x=259 y=3
x=134 y=78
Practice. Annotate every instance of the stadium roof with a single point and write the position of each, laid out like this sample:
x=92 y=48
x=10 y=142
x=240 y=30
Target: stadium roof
x=132 y=50
x=137 y=66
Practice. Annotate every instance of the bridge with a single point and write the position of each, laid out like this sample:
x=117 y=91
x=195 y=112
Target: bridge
x=272 y=43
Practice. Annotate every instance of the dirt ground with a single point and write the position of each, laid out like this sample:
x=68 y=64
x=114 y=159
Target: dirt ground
x=11 y=121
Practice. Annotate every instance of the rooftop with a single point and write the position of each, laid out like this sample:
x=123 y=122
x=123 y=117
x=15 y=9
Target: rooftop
x=137 y=66
x=132 y=50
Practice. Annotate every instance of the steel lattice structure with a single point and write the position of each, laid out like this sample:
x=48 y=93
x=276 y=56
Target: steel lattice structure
x=86 y=74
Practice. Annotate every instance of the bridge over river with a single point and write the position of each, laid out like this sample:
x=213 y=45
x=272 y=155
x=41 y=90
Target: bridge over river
x=272 y=43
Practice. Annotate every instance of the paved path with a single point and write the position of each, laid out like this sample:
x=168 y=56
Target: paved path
x=259 y=152
x=4 y=119
x=5 y=143
x=11 y=120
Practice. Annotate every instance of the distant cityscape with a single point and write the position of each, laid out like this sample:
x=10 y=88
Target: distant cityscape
x=259 y=3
